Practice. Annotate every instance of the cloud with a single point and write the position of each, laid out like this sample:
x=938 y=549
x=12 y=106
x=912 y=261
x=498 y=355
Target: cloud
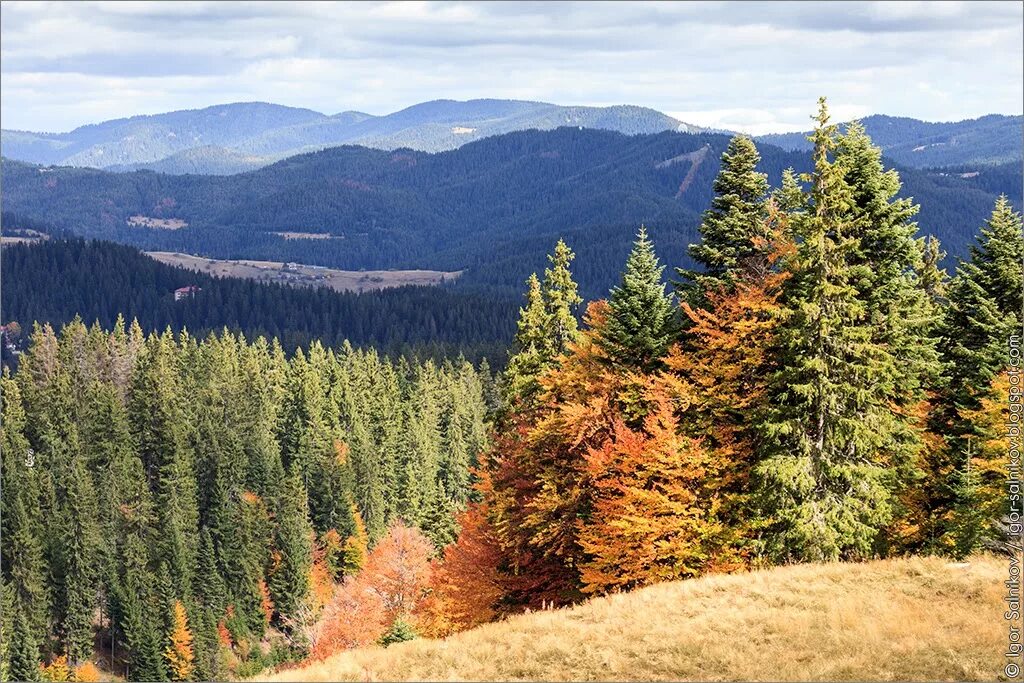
x=756 y=66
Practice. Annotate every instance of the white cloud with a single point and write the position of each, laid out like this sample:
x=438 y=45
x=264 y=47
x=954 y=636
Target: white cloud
x=749 y=66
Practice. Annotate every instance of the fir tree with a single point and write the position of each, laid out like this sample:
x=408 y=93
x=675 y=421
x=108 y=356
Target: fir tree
x=730 y=227
x=560 y=300
x=24 y=650
x=640 y=322
x=293 y=540
x=823 y=486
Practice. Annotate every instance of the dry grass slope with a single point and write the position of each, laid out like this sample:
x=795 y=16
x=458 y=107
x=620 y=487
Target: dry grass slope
x=906 y=619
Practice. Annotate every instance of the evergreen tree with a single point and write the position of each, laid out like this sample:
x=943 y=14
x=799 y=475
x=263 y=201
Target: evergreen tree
x=289 y=583
x=823 y=486
x=640 y=322
x=156 y=410
x=789 y=196
x=23 y=561
x=79 y=565
x=24 y=650
x=560 y=300
x=730 y=227
x=546 y=326
x=7 y=610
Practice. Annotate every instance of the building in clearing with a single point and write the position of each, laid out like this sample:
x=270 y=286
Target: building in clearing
x=186 y=292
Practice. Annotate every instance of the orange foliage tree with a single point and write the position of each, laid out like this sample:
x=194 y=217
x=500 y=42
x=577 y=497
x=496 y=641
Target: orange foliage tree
x=539 y=480
x=398 y=570
x=354 y=617
x=653 y=517
x=179 y=654
x=87 y=672
x=465 y=585
x=57 y=670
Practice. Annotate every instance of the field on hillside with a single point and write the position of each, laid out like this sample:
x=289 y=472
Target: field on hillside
x=904 y=619
x=299 y=274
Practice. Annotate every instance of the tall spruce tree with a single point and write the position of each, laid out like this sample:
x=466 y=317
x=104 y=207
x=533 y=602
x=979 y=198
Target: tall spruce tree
x=23 y=561
x=736 y=217
x=641 y=321
x=561 y=300
x=289 y=583
x=984 y=310
x=824 y=488
x=546 y=327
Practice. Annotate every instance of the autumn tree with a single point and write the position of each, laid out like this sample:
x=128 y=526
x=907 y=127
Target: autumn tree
x=398 y=570
x=179 y=654
x=465 y=585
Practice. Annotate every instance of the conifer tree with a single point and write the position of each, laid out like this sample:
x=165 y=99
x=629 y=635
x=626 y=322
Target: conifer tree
x=81 y=540
x=560 y=300
x=547 y=324
x=983 y=311
x=23 y=561
x=824 y=486
x=179 y=654
x=789 y=196
x=293 y=540
x=731 y=226
x=640 y=322
x=931 y=277
x=7 y=610
x=156 y=411
x=135 y=606
x=24 y=650
x=353 y=554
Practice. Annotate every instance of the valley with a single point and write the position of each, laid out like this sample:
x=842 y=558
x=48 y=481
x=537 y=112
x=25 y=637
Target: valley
x=297 y=274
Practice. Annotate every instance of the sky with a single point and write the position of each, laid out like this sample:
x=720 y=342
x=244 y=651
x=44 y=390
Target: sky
x=754 y=67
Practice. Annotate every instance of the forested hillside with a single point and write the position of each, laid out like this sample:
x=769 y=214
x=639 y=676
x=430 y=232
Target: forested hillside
x=816 y=388
x=492 y=208
x=56 y=280
x=988 y=140
x=205 y=491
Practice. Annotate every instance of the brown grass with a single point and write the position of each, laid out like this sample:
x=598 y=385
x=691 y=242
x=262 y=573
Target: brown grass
x=298 y=274
x=905 y=619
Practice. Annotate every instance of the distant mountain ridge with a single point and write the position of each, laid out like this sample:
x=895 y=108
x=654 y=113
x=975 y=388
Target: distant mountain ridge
x=991 y=139
x=233 y=138
x=492 y=208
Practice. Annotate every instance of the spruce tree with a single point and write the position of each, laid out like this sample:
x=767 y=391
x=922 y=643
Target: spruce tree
x=824 y=489
x=24 y=655
x=736 y=217
x=640 y=322
x=560 y=300
x=531 y=344
x=81 y=540
x=23 y=562
x=289 y=584
x=547 y=324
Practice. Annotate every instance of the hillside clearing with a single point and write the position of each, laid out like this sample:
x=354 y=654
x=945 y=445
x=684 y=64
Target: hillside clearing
x=902 y=619
x=299 y=274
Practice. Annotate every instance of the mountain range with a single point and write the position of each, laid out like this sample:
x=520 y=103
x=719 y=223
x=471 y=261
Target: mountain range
x=232 y=138
x=990 y=139
x=492 y=208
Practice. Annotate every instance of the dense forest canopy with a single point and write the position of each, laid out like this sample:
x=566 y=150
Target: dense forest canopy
x=55 y=280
